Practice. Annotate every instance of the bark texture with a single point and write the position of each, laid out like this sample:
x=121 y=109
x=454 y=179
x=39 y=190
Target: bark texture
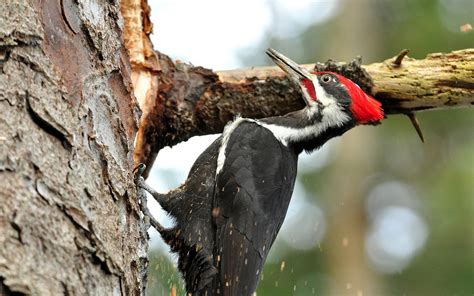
x=69 y=219
x=194 y=101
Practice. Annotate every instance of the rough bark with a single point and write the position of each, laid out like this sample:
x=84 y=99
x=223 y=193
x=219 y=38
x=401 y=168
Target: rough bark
x=194 y=101
x=69 y=219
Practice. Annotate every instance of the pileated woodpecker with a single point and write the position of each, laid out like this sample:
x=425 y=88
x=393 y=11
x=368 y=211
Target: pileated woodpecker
x=234 y=201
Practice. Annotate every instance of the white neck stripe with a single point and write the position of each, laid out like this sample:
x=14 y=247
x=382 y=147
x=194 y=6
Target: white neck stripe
x=332 y=116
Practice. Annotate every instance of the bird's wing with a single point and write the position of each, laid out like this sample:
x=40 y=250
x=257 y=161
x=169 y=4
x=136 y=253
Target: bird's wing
x=250 y=202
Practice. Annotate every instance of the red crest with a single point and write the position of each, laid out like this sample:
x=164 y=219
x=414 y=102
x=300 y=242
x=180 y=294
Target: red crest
x=365 y=108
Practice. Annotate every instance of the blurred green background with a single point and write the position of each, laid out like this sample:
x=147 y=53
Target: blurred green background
x=379 y=212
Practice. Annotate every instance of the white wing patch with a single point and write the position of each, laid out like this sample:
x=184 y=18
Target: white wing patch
x=229 y=128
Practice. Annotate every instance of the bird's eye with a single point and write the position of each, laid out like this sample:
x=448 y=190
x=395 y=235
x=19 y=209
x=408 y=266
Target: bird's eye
x=326 y=78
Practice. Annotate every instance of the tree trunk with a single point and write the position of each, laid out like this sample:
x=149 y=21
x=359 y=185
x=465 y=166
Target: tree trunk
x=69 y=218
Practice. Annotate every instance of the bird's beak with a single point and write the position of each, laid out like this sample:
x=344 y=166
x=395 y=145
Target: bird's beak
x=294 y=71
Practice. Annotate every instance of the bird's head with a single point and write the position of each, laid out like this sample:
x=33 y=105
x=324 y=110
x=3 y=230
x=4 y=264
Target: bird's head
x=331 y=94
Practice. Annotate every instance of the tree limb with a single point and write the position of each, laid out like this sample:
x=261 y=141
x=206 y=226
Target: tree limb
x=438 y=81
x=196 y=101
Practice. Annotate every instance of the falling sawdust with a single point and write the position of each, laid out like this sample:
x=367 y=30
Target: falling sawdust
x=282 y=266
x=465 y=28
x=345 y=242
x=173 y=291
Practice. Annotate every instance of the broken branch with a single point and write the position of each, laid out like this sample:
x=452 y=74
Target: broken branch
x=196 y=101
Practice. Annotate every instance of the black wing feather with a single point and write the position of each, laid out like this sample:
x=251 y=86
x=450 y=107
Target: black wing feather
x=252 y=195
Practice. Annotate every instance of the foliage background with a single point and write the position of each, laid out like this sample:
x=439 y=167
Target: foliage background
x=374 y=212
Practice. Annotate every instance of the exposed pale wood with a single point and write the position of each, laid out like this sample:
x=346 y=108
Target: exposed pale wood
x=143 y=59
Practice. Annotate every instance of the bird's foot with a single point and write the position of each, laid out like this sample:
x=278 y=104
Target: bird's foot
x=140 y=182
x=142 y=187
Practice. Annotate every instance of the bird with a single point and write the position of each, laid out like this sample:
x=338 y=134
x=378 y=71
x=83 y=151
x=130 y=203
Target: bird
x=230 y=208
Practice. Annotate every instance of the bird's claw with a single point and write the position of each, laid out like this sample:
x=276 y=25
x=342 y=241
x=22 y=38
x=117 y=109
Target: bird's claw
x=142 y=187
x=138 y=171
x=138 y=178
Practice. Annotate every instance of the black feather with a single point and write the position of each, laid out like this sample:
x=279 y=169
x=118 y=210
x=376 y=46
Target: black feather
x=252 y=194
